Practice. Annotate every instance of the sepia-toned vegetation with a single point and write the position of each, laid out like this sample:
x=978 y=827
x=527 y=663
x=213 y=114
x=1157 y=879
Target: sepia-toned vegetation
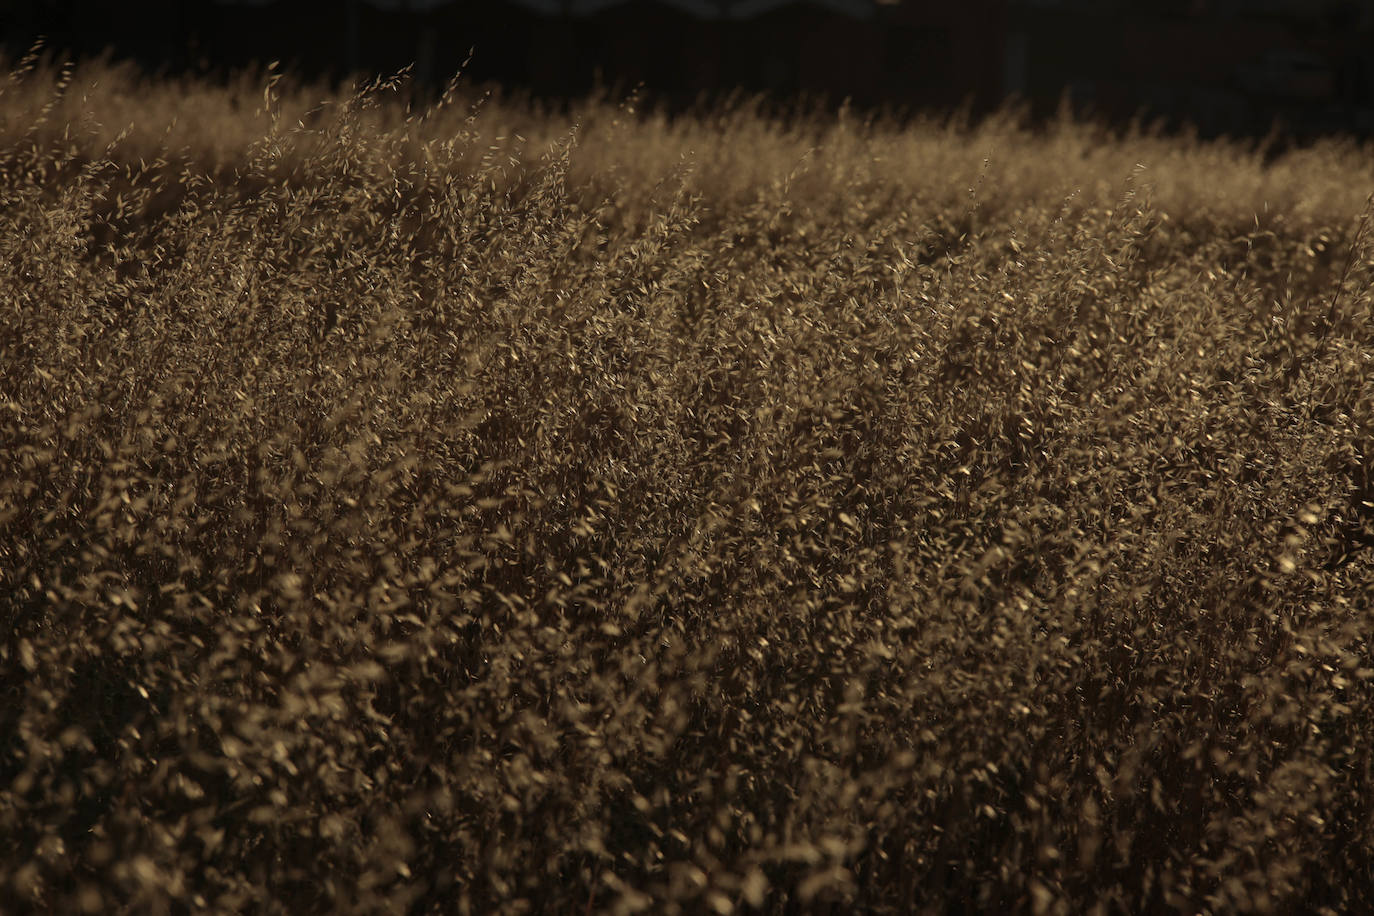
x=468 y=506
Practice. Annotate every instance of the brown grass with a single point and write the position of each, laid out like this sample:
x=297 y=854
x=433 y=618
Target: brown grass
x=488 y=509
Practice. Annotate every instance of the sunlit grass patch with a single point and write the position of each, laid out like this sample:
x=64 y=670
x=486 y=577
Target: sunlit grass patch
x=480 y=508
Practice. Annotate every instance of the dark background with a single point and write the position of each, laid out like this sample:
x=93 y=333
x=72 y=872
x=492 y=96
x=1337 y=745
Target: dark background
x=1236 y=67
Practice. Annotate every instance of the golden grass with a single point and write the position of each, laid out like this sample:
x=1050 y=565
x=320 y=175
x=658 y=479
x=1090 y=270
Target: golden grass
x=490 y=509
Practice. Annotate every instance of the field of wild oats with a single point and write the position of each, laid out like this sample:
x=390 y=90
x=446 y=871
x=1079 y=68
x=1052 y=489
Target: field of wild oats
x=468 y=507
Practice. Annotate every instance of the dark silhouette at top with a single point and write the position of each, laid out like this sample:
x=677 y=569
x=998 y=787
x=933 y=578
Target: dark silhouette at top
x=1224 y=66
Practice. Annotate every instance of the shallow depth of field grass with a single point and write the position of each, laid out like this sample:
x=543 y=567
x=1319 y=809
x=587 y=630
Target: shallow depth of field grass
x=473 y=508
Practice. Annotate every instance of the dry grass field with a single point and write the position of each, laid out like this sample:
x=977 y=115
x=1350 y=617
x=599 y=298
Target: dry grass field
x=473 y=507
